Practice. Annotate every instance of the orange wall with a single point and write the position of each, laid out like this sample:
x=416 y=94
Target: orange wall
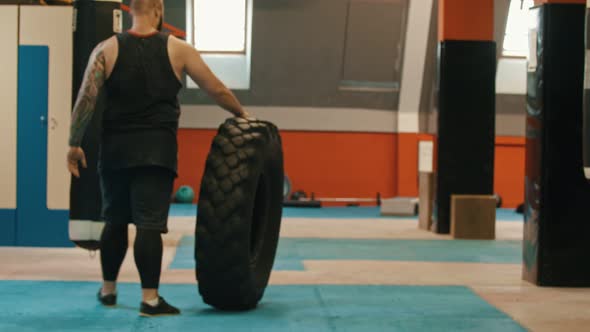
x=466 y=20
x=509 y=170
x=341 y=164
x=355 y=164
x=328 y=164
x=407 y=167
x=193 y=147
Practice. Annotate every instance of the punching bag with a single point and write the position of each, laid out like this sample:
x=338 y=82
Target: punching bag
x=556 y=229
x=94 y=22
x=586 y=132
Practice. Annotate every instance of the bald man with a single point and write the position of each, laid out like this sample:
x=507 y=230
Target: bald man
x=141 y=73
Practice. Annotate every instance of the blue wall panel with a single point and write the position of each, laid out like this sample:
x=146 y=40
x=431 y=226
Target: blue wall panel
x=7 y=227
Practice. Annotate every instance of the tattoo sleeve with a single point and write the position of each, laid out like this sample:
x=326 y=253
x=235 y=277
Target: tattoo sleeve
x=94 y=78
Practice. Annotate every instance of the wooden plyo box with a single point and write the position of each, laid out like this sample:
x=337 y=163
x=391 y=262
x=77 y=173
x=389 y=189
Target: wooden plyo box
x=426 y=184
x=473 y=217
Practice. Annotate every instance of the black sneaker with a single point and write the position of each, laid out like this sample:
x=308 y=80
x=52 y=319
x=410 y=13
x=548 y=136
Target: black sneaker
x=107 y=300
x=162 y=309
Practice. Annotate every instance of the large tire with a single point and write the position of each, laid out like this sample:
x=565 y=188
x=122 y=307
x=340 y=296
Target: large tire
x=239 y=214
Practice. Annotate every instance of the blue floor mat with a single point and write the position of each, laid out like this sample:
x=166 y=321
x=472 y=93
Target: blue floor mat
x=183 y=210
x=293 y=251
x=72 y=307
x=508 y=215
x=339 y=213
x=190 y=210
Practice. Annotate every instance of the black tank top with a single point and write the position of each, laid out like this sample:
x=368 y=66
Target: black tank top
x=140 y=120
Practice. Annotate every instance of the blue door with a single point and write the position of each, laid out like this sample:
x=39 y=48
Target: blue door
x=36 y=225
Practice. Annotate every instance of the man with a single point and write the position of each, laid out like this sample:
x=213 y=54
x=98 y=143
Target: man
x=141 y=72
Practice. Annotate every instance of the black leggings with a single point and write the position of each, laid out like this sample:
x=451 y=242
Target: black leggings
x=147 y=252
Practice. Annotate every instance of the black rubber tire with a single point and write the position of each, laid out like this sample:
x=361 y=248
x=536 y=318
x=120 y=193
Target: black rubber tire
x=286 y=188
x=239 y=214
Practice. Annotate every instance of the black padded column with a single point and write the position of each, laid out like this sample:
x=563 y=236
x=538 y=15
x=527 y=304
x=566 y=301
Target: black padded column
x=466 y=124
x=557 y=211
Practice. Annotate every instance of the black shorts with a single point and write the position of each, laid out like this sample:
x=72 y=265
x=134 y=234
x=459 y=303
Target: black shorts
x=139 y=195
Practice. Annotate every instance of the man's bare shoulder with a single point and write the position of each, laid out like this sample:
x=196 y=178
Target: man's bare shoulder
x=179 y=46
x=109 y=44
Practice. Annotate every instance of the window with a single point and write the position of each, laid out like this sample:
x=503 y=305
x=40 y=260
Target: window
x=516 y=42
x=220 y=26
x=222 y=31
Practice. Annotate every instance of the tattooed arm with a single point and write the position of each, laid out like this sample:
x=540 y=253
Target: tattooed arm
x=94 y=79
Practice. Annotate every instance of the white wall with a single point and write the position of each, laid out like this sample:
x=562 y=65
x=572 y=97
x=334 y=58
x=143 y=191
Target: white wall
x=8 y=105
x=416 y=46
x=297 y=118
x=511 y=76
x=52 y=26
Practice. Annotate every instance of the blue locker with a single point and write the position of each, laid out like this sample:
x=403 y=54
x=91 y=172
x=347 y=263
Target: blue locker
x=36 y=225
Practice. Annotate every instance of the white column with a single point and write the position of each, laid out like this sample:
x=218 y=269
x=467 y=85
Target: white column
x=8 y=105
x=416 y=45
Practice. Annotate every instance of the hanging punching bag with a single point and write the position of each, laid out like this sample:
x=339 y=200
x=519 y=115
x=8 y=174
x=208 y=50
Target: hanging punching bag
x=556 y=229
x=586 y=132
x=94 y=21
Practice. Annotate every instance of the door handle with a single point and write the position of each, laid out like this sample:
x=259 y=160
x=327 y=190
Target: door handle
x=43 y=120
